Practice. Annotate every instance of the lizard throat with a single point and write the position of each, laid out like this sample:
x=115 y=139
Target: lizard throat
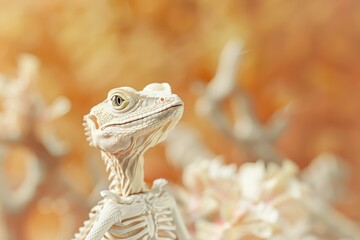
x=141 y=117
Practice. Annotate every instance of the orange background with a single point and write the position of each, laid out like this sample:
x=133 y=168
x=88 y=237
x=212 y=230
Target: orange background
x=307 y=52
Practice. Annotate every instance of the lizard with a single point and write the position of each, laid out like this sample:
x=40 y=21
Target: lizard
x=123 y=127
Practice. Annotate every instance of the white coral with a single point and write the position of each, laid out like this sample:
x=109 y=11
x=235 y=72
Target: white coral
x=25 y=121
x=253 y=202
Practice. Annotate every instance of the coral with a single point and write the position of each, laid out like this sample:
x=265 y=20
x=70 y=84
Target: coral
x=257 y=200
x=257 y=141
x=298 y=52
x=26 y=123
x=245 y=203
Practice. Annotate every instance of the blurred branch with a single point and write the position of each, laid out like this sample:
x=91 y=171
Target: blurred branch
x=335 y=222
x=247 y=131
x=15 y=200
x=184 y=146
x=25 y=121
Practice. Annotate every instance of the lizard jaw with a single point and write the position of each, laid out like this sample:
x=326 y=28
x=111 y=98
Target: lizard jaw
x=179 y=104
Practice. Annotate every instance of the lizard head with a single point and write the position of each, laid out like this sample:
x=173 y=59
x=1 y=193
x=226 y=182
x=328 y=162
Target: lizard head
x=128 y=118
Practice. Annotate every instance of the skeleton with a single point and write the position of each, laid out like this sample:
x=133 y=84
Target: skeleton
x=123 y=127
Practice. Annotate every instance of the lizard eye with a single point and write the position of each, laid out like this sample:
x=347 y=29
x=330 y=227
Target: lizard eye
x=118 y=102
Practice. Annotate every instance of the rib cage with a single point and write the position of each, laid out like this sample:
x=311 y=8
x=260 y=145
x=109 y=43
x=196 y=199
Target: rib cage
x=150 y=218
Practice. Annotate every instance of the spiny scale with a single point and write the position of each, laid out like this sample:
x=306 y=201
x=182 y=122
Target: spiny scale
x=87 y=132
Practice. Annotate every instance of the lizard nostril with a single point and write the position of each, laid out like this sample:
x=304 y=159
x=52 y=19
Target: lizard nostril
x=162 y=99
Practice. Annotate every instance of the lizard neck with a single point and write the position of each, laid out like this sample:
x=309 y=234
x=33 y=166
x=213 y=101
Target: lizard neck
x=126 y=168
x=126 y=173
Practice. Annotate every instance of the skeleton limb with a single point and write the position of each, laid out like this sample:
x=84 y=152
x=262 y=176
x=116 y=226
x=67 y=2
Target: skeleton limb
x=109 y=215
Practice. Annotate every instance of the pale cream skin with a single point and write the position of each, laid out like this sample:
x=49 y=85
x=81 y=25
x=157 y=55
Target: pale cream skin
x=123 y=127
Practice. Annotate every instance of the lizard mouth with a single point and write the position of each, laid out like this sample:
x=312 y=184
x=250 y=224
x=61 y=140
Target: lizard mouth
x=143 y=117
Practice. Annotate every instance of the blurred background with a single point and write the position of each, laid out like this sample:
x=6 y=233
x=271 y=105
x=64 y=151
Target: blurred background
x=305 y=52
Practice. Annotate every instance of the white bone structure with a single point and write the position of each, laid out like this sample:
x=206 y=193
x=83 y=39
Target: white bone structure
x=150 y=215
x=123 y=127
